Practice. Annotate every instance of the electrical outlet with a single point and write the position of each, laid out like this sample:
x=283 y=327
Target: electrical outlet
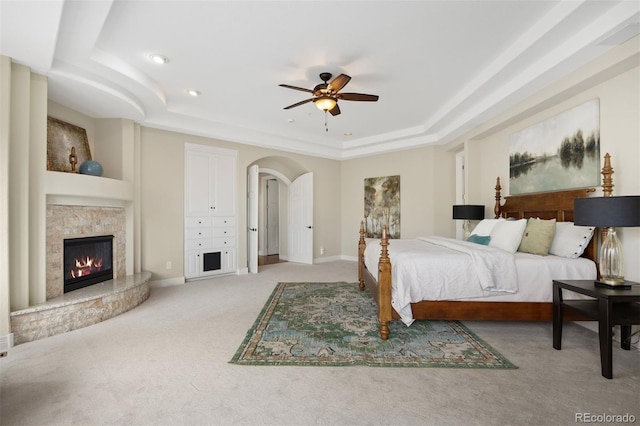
x=169 y=264
x=321 y=250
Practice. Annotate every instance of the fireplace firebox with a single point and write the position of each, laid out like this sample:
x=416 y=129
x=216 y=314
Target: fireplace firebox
x=87 y=261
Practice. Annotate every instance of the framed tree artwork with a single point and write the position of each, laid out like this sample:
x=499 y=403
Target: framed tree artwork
x=562 y=152
x=382 y=206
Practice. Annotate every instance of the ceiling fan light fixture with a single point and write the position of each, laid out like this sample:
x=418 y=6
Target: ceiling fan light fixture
x=325 y=103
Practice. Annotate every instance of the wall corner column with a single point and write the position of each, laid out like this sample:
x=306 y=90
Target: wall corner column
x=5 y=116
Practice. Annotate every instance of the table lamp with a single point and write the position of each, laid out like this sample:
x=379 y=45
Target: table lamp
x=609 y=212
x=468 y=212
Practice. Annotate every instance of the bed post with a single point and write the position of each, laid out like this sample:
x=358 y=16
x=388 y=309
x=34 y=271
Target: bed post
x=361 y=247
x=384 y=287
x=607 y=180
x=497 y=207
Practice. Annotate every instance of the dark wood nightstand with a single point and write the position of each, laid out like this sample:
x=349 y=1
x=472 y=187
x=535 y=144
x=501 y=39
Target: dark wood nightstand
x=609 y=307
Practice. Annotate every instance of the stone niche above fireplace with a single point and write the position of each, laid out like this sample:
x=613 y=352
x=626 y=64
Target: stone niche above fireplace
x=70 y=222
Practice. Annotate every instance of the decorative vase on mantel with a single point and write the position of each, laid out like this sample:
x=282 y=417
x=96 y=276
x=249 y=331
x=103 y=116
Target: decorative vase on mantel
x=91 y=167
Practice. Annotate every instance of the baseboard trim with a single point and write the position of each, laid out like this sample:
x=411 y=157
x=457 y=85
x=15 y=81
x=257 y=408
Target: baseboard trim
x=167 y=282
x=331 y=259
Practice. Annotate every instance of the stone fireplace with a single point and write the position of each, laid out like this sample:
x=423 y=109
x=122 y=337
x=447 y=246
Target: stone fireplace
x=66 y=311
x=72 y=222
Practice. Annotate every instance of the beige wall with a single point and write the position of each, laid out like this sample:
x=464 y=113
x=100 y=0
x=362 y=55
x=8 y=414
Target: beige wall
x=427 y=173
x=162 y=198
x=613 y=79
x=427 y=192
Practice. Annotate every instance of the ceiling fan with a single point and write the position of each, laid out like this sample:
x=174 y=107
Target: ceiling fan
x=326 y=96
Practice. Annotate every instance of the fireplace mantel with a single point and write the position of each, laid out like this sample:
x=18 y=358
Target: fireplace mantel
x=74 y=189
x=87 y=186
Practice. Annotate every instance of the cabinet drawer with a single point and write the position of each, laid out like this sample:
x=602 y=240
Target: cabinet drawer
x=197 y=243
x=224 y=221
x=197 y=221
x=224 y=242
x=198 y=233
x=224 y=232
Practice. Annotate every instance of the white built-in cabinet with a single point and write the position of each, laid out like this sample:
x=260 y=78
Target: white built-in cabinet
x=210 y=222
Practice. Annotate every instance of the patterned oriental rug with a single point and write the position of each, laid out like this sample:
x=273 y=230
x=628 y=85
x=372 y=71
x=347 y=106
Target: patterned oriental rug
x=335 y=324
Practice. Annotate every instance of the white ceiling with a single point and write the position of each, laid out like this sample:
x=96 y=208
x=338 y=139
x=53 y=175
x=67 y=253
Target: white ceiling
x=439 y=67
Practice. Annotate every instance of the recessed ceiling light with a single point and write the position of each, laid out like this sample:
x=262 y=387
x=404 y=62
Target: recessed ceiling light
x=348 y=133
x=193 y=92
x=291 y=120
x=158 y=58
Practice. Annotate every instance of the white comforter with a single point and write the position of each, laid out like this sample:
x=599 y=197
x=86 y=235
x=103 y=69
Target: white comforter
x=447 y=269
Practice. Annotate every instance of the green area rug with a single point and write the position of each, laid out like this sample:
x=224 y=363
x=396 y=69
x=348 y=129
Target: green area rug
x=336 y=324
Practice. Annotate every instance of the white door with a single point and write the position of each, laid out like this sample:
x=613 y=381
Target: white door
x=252 y=219
x=224 y=171
x=198 y=184
x=460 y=190
x=273 y=217
x=301 y=219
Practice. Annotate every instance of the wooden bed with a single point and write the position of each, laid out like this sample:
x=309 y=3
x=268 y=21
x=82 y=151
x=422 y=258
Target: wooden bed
x=548 y=205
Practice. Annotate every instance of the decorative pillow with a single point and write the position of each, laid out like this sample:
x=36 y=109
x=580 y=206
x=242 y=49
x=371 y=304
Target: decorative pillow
x=538 y=236
x=570 y=240
x=485 y=226
x=479 y=239
x=507 y=234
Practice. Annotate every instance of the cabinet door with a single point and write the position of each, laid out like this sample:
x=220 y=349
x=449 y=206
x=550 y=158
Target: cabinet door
x=198 y=184
x=192 y=263
x=228 y=260
x=224 y=172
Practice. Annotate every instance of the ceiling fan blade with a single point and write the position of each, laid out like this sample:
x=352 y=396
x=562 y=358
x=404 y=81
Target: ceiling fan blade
x=339 y=82
x=357 y=97
x=299 y=103
x=302 y=89
x=335 y=110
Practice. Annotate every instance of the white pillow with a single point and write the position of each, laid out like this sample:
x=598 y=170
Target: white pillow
x=507 y=234
x=485 y=226
x=570 y=240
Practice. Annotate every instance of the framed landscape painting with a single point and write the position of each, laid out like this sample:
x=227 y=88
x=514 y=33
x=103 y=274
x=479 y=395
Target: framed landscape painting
x=382 y=206
x=562 y=152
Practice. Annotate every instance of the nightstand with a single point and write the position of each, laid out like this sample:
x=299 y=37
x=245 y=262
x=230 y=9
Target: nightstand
x=609 y=307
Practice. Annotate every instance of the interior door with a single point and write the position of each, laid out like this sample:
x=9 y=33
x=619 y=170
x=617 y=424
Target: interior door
x=273 y=217
x=252 y=219
x=301 y=219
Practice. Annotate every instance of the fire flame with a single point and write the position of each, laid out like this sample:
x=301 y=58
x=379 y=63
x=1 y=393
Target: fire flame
x=86 y=266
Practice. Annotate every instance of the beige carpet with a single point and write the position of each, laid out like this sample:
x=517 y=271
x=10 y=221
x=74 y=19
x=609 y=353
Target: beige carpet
x=166 y=363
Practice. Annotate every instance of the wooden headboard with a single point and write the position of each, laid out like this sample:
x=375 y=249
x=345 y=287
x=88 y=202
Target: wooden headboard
x=556 y=205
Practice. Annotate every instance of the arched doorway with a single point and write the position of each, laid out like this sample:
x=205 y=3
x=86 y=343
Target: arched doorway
x=293 y=228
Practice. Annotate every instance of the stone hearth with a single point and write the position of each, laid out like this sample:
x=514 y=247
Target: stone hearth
x=80 y=308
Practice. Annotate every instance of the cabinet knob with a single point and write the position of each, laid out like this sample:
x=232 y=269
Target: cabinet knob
x=199 y=222
x=199 y=244
x=199 y=233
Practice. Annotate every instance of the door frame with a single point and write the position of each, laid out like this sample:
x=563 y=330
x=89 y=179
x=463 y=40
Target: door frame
x=281 y=179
